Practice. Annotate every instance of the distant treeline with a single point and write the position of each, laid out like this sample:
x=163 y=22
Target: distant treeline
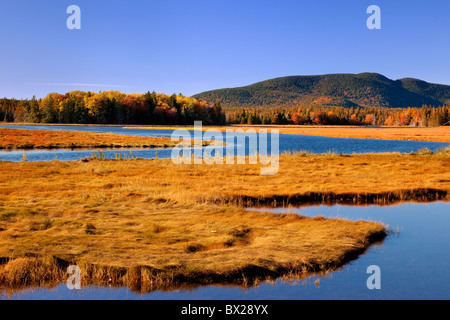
x=114 y=107
x=421 y=117
x=111 y=107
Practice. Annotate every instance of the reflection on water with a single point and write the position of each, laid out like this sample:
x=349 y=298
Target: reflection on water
x=288 y=143
x=414 y=264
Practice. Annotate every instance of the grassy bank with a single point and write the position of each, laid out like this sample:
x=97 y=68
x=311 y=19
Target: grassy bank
x=434 y=134
x=44 y=139
x=152 y=224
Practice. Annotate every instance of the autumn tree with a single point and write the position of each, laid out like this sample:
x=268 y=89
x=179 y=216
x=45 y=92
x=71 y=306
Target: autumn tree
x=369 y=120
x=354 y=119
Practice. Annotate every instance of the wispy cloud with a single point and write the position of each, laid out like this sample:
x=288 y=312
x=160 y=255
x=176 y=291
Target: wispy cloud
x=97 y=85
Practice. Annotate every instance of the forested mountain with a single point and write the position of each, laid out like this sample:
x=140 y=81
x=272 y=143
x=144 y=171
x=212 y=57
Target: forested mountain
x=347 y=90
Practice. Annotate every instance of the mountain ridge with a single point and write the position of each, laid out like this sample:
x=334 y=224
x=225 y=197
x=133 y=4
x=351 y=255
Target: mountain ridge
x=340 y=89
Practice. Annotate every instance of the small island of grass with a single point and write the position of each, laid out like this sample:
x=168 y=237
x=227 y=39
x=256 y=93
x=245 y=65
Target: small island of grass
x=13 y=139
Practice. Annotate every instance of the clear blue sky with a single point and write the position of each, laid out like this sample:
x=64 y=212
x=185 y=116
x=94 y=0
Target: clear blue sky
x=190 y=46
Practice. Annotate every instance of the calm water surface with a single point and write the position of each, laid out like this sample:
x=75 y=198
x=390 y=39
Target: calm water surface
x=288 y=143
x=414 y=264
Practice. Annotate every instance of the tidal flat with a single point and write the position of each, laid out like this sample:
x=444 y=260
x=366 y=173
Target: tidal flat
x=153 y=224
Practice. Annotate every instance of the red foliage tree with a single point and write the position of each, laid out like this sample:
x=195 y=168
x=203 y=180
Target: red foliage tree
x=369 y=119
x=353 y=119
x=295 y=118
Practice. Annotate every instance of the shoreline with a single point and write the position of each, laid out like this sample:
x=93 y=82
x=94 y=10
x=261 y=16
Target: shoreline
x=145 y=279
x=12 y=139
x=431 y=134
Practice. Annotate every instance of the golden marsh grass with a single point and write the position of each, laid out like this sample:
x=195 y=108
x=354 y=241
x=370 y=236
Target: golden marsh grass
x=437 y=134
x=155 y=224
x=152 y=223
x=46 y=139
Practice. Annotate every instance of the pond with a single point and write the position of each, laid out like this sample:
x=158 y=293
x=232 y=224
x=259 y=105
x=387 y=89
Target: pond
x=288 y=143
x=414 y=263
